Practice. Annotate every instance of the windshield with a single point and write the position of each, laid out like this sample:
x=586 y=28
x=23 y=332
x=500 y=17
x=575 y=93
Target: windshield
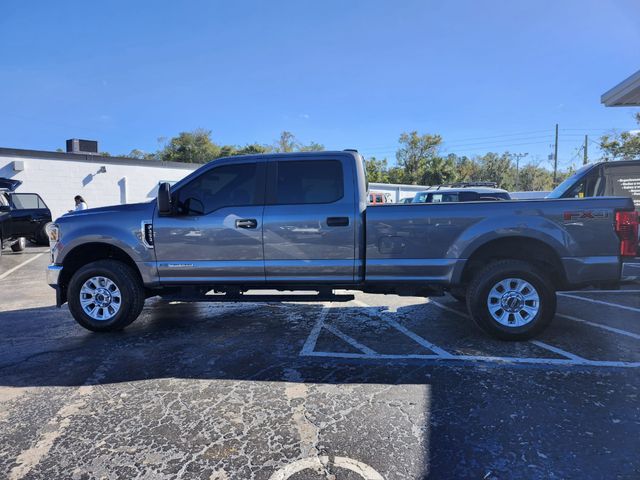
x=561 y=189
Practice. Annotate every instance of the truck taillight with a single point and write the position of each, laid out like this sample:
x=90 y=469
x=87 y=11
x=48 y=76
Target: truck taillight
x=627 y=230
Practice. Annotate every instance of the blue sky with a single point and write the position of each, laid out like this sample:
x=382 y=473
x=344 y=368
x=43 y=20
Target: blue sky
x=486 y=75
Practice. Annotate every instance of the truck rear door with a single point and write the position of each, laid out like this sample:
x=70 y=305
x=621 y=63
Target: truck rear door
x=309 y=220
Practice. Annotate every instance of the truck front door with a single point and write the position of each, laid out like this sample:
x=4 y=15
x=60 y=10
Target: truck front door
x=214 y=234
x=309 y=221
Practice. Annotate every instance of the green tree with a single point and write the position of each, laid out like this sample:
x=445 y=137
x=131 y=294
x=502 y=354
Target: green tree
x=467 y=169
x=396 y=175
x=286 y=143
x=621 y=146
x=497 y=168
x=377 y=170
x=289 y=143
x=535 y=178
x=254 y=148
x=141 y=155
x=414 y=154
x=440 y=170
x=191 y=147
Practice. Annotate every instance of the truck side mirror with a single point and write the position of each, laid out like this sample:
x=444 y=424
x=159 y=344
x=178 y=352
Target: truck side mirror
x=164 y=199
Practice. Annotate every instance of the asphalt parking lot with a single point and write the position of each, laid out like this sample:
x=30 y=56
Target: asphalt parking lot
x=380 y=387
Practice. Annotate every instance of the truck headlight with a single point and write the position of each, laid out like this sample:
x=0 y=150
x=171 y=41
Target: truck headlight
x=53 y=232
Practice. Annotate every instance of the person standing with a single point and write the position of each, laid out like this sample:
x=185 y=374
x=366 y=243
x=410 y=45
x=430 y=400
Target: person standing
x=80 y=203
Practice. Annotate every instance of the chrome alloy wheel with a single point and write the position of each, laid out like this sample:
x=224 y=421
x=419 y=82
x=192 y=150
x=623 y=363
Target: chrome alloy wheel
x=513 y=302
x=100 y=298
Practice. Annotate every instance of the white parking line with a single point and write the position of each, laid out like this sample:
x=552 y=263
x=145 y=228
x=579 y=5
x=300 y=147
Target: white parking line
x=599 y=302
x=599 y=325
x=478 y=358
x=350 y=340
x=369 y=354
x=557 y=350
x=310 y=343
x=413 y=336
x=19 y=266
x=600 y=291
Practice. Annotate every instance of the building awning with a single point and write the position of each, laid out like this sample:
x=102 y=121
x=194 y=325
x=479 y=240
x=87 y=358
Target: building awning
x=625 y=94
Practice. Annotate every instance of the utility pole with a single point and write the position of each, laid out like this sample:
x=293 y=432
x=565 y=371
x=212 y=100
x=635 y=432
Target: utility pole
x=585 y=160
x=555 y=159
x=518 y=156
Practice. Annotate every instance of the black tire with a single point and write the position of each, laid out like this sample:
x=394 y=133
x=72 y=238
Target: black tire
x=126 y=280
x=19 y=245
x=482 y=285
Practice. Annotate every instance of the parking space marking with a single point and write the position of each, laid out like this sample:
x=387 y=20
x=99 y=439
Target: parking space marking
x=19 y=266
x=412 y=335
x=320 y=464
x=312 y=339
x=557 y=350
x=479 y=358
x=350 y=340
x=599 y=325
x=599 y=302
x=599 y=291
x=570 y=360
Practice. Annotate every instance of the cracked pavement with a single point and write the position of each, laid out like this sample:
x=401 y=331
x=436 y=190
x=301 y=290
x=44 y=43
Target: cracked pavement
x=221 y=391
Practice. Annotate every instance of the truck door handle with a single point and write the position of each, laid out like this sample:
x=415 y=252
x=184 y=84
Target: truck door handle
x=247 y=223
x=338 y=221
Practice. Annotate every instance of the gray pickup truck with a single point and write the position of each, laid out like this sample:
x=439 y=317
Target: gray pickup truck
x=300 y=222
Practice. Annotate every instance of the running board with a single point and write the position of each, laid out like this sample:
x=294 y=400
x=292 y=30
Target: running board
x=256 y=298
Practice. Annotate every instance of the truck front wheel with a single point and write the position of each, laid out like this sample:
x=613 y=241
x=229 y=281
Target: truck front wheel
x=511 y=300
x=105 y=295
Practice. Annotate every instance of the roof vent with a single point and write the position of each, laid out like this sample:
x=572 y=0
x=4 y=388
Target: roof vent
x=75 y=145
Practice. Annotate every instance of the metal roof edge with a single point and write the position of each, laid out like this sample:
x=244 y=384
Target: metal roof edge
x=621 y=89
x=92 y=158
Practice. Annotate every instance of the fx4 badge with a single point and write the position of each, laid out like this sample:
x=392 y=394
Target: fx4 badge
x=584 y=214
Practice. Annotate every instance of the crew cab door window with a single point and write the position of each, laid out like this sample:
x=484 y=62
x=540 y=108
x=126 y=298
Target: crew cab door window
x=306 y=182
x=224 y=186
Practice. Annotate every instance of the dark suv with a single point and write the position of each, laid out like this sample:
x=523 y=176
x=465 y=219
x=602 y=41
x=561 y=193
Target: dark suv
x=22 y=216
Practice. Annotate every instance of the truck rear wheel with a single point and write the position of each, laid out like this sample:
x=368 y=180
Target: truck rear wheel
x=105 y=296
x=511 y=300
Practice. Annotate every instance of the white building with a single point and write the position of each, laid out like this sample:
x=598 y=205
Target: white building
x=58 y=177
x=398 y=192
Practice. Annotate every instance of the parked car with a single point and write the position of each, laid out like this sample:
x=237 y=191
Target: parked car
x=300 y=221
x=619 y=178
x=407 y=200
x=462 y=192
x=377 y=198
x=22 y=216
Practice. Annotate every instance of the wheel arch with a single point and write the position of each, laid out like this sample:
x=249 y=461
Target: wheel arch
x=523 y=248
x=91 y=252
